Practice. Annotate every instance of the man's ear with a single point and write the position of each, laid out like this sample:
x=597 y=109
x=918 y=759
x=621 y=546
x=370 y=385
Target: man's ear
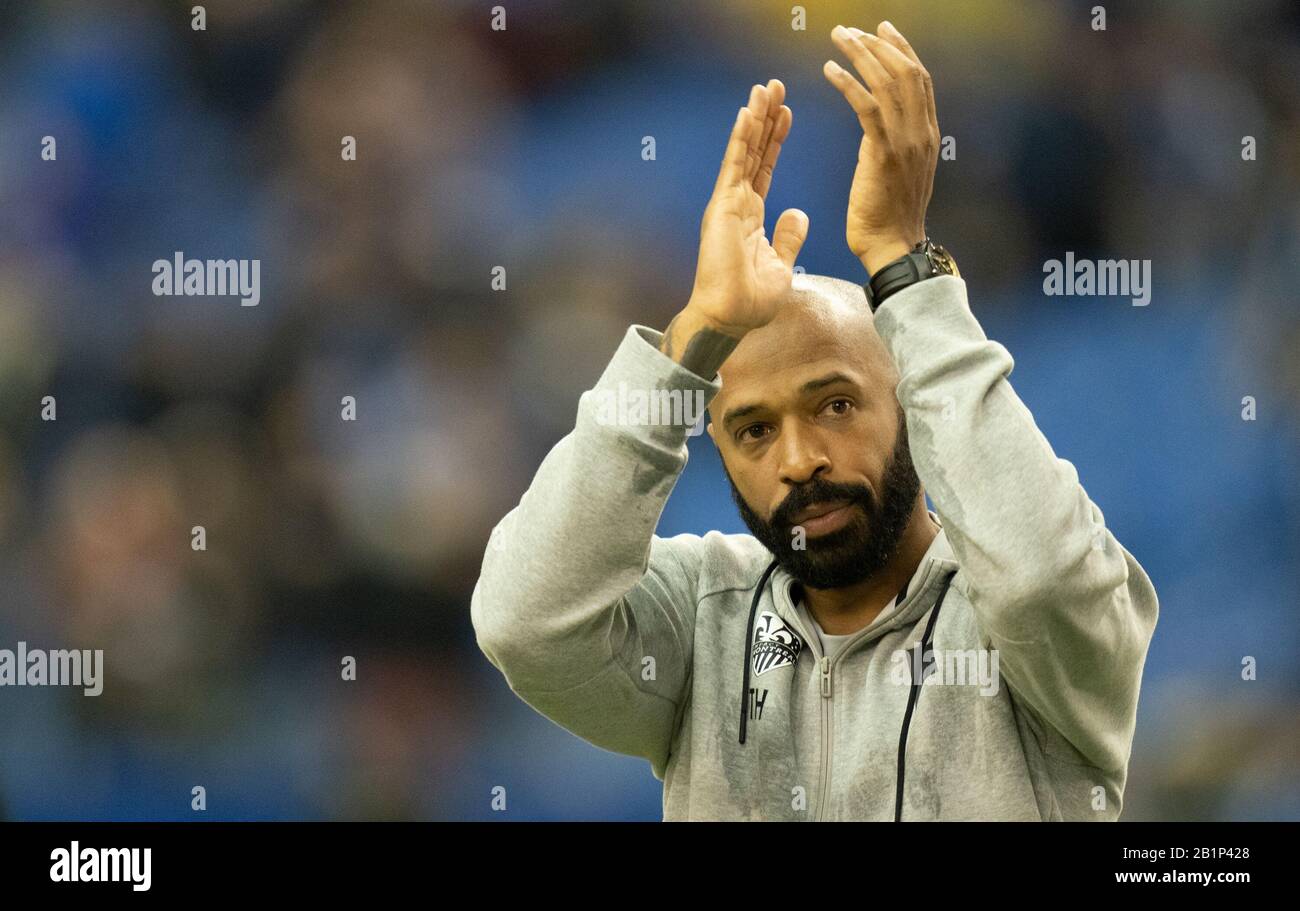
x=709 y=428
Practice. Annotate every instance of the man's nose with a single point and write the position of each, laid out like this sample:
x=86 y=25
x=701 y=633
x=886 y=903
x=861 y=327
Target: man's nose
x=803 y=457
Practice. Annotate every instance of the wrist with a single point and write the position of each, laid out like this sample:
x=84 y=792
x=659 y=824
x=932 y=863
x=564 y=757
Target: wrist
x=698 y=342
x=697 y=314
x=880 y=254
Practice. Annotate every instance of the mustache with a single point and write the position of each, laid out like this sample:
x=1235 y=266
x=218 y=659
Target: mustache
x=820 y=491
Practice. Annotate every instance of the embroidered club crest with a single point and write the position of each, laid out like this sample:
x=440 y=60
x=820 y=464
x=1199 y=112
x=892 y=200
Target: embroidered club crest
x=775 y=644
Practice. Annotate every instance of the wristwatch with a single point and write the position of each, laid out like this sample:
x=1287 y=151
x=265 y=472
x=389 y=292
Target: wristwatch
x=926 y=260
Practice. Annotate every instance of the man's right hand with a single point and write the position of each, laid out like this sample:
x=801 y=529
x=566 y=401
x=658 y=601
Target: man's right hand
x=740 y=278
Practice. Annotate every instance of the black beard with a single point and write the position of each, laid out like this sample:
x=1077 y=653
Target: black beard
x=858 y=550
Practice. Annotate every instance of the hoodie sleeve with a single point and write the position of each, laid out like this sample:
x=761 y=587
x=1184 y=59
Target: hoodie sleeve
x=588 y=615
x=1069 y=610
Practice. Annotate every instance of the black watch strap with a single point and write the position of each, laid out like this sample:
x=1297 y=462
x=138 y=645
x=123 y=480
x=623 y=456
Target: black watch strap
x=925 y=260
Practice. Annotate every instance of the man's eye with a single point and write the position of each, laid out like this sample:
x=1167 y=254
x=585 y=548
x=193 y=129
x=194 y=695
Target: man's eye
x=840 y=406
x=752 y=432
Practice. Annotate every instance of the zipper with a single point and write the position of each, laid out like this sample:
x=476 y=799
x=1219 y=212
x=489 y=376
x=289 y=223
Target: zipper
x=827 y=739
x=826 y=666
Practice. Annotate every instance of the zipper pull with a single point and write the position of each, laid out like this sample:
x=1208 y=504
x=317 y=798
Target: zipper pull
x=826 y=677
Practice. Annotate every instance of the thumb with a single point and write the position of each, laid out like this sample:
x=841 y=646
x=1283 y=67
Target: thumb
x=791 y=231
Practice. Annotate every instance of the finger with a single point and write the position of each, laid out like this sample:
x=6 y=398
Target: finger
x=906 y=86
x=891 y=37
x=909 y=78
x=854 y=47
x=733 y=160
x=758 y=107
x=890 y=57
x=929 y=103
x=775 y=94
x=790 y=233
x=863 y=103
x=889 y=32
x=763 y=181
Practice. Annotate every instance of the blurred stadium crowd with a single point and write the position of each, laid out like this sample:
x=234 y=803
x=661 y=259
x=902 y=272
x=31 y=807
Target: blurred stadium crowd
x=522 y=149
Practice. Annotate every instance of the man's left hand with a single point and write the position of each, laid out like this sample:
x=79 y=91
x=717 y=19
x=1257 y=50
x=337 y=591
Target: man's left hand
x=900 y=142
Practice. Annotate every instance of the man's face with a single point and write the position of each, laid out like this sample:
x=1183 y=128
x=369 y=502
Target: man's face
x=815 y=445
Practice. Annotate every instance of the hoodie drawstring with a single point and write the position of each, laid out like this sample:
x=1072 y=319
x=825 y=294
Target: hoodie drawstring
x=911 y=700
x=749 y=635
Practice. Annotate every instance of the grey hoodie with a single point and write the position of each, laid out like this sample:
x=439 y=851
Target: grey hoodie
x=665 y=648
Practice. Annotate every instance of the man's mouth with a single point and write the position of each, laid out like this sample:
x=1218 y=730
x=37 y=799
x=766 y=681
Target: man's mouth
x=822 y=518
x=818 y=509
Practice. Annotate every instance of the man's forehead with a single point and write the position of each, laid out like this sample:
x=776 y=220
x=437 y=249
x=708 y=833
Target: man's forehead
x=820 y=329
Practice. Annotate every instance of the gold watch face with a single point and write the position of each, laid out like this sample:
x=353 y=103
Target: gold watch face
x=943 y=259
